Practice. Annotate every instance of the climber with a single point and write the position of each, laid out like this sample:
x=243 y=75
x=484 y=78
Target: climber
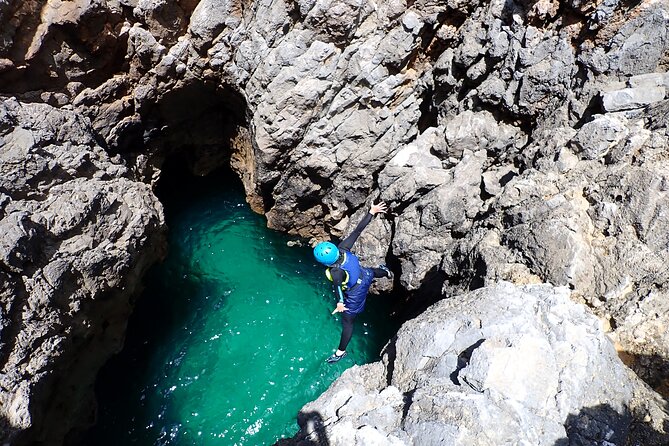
x=351 y=280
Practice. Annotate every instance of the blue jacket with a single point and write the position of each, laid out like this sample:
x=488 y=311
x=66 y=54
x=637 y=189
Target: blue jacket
x=357 y=283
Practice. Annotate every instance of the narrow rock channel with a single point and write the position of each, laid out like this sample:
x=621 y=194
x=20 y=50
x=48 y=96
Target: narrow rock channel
x=229 y=338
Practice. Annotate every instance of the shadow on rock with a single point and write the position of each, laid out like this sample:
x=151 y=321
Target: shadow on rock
x=603 y=425
x=653 y=369
x=427 y=294
x=5 y=429
x=312 y=431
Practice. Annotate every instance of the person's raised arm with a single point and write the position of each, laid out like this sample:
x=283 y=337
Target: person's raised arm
x=348 y=242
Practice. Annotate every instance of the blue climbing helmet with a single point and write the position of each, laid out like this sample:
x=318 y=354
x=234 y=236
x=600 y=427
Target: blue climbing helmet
x=326 y=253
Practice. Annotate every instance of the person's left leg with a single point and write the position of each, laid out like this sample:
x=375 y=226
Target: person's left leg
x=346 y=334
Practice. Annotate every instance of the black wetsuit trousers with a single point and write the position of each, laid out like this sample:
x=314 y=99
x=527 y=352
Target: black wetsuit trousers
x=348 y=319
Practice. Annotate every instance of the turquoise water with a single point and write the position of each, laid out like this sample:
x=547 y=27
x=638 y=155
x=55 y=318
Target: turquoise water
x=229 y=339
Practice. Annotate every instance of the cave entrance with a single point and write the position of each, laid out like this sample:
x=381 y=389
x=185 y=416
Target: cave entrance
x=199 y=124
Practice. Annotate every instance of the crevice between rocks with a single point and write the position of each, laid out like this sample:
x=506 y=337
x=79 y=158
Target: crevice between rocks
x=390 y=352
x=342 y=406
x=428 y=293
x=9 y=333
x=407 y=399
x=463 y=360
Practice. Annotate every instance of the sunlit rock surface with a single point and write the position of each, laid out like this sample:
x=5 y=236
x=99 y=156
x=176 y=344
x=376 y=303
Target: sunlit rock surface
x=500 y=365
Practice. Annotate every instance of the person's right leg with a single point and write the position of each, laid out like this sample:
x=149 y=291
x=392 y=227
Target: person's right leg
x=346 y=331
x=382 y=271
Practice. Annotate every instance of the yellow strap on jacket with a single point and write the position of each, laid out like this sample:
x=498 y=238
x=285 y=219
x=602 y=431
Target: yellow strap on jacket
x=328 y=274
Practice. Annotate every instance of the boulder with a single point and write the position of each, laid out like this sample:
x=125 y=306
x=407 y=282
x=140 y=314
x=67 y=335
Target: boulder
x=479 y=131
x=649 y=80
x=500 y=365
x=597 y=137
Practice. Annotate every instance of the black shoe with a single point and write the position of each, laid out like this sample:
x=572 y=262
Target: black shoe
x=389 y=274
x=334 y=358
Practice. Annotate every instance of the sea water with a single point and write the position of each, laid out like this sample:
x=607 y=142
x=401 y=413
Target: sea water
x=230 y=336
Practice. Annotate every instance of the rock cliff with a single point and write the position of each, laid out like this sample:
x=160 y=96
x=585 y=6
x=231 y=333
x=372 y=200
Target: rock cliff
x=76 y=235
x=521 y=141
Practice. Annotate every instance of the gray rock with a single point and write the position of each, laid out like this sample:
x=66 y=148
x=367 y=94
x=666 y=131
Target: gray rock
x=631 y=98
x=597 y=137
x=478 y=131
x=481 y=367
x=144 y=48
x=209 y=19
x=550 y=66
x=603 y=13
x=336 y=21
x=649 y=80
x=426 y=229
x=164 y=19
x=76 y=235
x=595 y=228
x=413 y=170
x=641 y=42
x=494 y=180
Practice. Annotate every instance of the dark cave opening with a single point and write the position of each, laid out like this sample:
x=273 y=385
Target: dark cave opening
x=196 y=123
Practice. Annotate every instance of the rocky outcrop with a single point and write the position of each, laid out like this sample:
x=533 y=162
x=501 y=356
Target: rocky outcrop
x=500 y=365
x=76 y=235
x=521 y=140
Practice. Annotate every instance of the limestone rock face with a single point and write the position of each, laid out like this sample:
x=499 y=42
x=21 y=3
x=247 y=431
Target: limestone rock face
x=500 y=365
x=76 y=235
x=521 y=141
